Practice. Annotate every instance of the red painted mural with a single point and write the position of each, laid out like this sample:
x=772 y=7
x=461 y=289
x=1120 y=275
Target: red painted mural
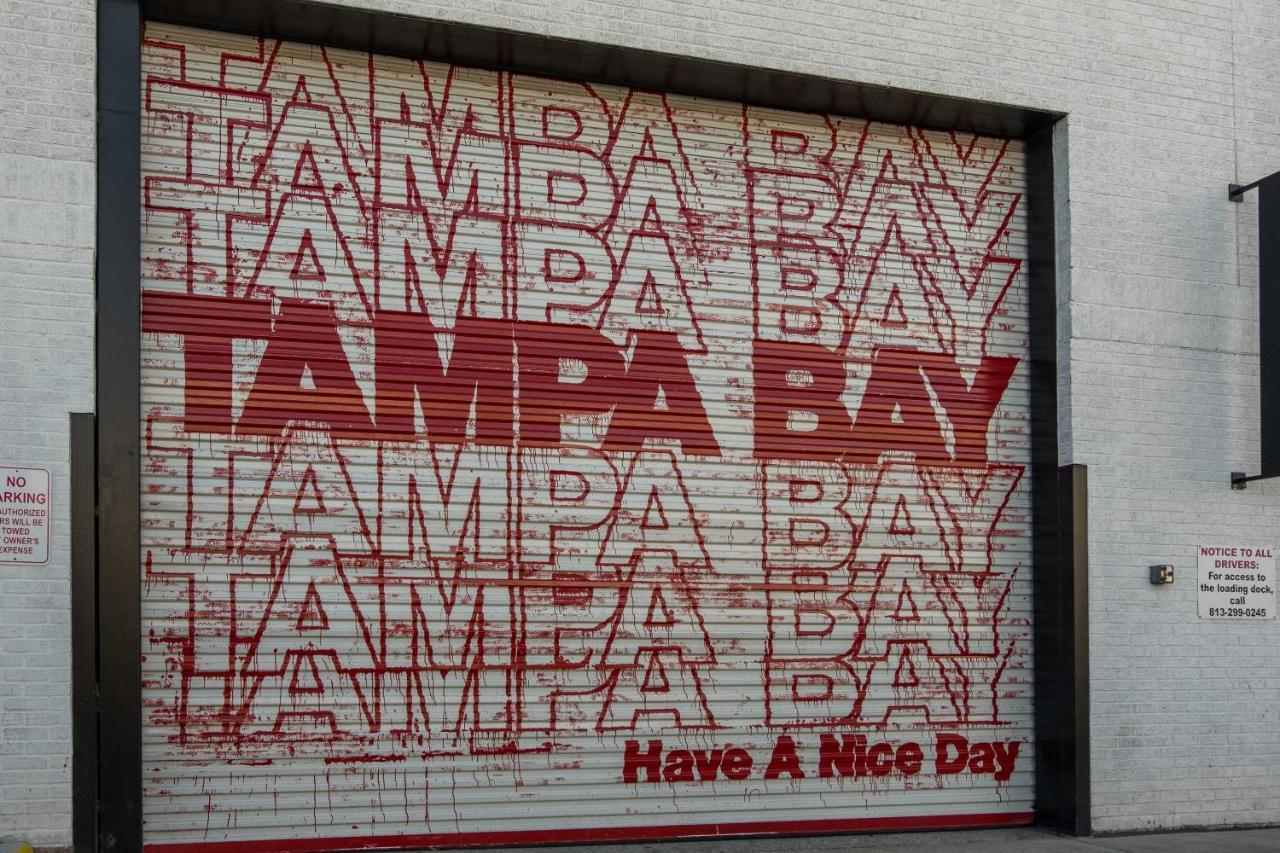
x=510 y=441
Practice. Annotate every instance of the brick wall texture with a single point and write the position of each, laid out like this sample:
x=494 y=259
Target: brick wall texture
x=46 y=370
x=1168 y=101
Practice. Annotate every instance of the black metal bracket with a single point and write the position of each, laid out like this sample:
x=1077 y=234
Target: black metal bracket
x=1235 y=192
x=1240 y=482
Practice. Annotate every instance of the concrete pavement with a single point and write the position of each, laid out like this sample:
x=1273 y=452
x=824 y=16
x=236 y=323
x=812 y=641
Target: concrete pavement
x=970 y=841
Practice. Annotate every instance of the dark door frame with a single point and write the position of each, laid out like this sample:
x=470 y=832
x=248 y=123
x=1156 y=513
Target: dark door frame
x=109 y=713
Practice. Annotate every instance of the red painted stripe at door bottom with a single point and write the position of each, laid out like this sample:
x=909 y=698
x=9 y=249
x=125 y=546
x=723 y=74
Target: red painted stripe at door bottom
x=620 y=833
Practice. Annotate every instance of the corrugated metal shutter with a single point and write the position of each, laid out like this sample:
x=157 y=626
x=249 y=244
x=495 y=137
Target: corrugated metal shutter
x=527 y=460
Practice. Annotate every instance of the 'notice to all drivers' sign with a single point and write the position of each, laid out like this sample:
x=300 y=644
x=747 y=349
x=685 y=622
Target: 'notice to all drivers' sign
x=1237 y=582
x=24 y=515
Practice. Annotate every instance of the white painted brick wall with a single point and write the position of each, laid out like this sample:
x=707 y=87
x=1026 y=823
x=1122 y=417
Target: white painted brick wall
x=46 y=371
x=1169 y=100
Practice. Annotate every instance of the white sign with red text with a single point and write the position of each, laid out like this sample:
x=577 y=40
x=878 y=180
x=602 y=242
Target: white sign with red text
x=24 y=515
x=1237 y=582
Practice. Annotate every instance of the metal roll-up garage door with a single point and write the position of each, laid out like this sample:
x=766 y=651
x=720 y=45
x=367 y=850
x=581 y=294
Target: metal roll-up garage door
x=527 y=461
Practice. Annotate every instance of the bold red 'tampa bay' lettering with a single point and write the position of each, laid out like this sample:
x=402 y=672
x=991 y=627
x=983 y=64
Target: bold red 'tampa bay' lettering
x=897 y=411
x=304 y=375
x=799 y=377
x=305 y=340
x=406 y=359
x=659 y=365
x=209 y=324
x=544 y=392
x=969 y=407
